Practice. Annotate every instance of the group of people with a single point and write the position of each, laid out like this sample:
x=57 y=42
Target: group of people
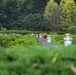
x=67 y=39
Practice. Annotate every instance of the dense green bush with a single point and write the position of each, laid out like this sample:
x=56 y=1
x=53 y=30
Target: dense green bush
x=17 y=40
x=27 y=40
x=37 y=60
x=72 y=29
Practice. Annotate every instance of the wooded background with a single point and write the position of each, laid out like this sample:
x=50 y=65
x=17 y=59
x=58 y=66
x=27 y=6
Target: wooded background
x=46 y=15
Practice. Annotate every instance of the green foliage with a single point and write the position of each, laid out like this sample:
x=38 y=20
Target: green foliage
x=28 y=14
x=15 y=32
x=45 y=25
x=27 y=40
x=52 y=14
x=58 y=38
x=23 y=32
x=33 y=22
x=74 y=39
x=37 y=60
x=17 y=40
x=60 y=33
x=6 y=39
x=13 y=12
x=68 y=16
x=72 y=29
x=51 y=5
x=58 y=1
x=10 y=12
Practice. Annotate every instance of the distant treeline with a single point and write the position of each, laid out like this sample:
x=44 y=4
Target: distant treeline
x=46 y=15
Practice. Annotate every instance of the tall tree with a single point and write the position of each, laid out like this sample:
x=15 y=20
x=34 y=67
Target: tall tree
x=52 y=14
x=9 y=13
x=68 y=17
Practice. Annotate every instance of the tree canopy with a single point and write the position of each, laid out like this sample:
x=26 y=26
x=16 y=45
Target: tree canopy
x=53 y=15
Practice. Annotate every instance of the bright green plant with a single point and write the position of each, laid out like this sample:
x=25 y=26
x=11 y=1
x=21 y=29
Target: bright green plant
x=27 y=40
x=68 y=17
x=5 y=39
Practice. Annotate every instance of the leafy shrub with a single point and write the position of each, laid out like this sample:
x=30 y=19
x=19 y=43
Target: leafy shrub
x=58 y=38
x=72 y=29
x=6 y=39
x=37 y=60
x=17 y=40
x=27 y=40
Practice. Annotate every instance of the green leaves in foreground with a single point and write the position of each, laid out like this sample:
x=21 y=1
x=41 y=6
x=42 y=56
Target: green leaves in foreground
x=37 y=60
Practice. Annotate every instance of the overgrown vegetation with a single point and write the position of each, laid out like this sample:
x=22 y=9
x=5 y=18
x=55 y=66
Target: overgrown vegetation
x=17 y=40
x=37 y=60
